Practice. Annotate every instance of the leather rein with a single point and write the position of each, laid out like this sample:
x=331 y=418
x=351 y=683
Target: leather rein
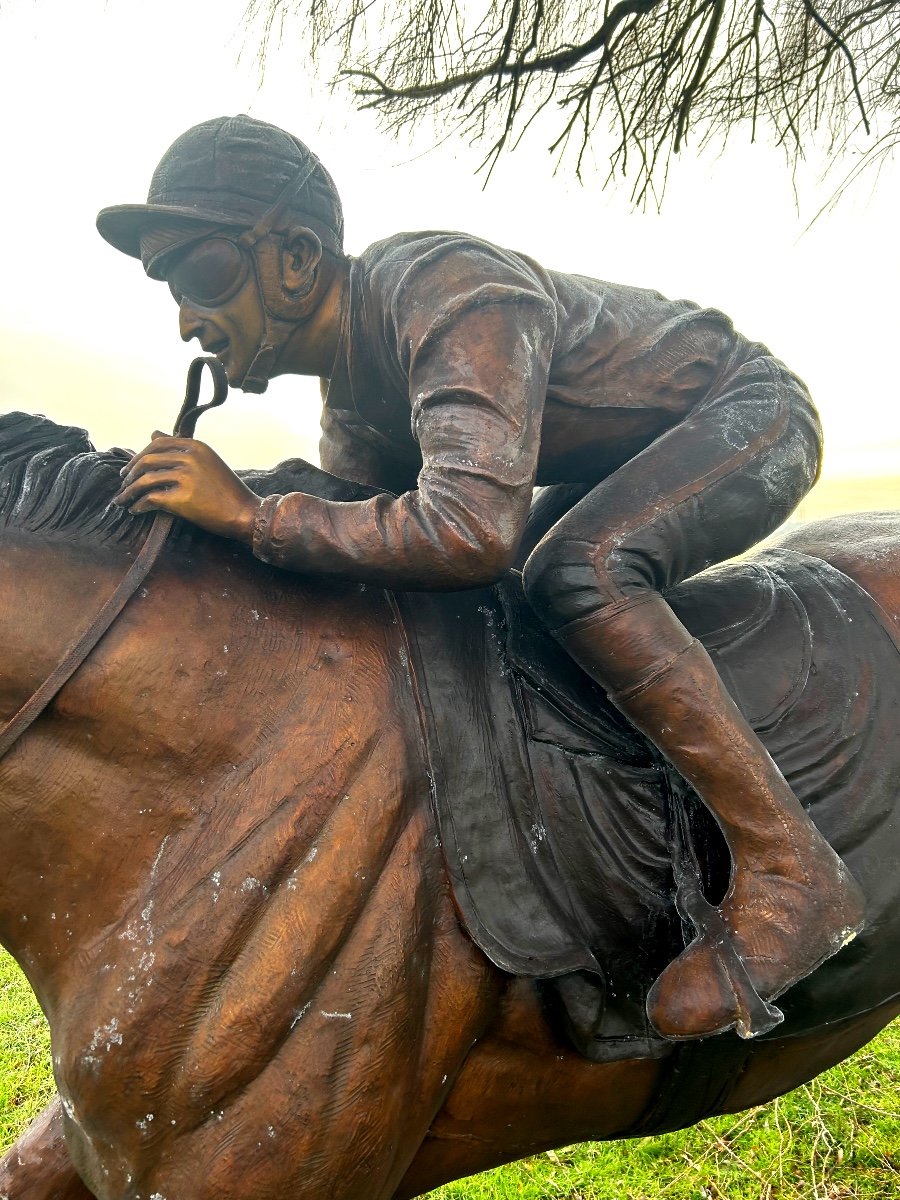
x=134 y=577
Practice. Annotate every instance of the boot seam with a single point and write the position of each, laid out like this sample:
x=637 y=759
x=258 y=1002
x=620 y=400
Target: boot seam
x=656 y=673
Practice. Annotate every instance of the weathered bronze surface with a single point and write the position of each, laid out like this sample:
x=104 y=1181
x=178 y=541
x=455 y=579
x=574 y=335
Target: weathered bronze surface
x=254 y=973
x=255 y=977
x=281 y=992
x=462 y=374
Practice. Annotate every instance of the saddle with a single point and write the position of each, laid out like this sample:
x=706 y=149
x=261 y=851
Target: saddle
x=567 y=835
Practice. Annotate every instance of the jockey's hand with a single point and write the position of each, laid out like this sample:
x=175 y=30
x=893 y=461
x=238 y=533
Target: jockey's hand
x=187 y=478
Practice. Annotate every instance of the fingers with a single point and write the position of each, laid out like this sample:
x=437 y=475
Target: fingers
x=153 y=500
x=188 y=479
x=161 y=442
x=161 y=481
x=171 y=460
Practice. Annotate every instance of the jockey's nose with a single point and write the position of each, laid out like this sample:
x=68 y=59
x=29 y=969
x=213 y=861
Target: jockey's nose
x=189 y=323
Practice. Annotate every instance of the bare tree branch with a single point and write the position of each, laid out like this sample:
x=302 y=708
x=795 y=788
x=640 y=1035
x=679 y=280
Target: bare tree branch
x=637 y=77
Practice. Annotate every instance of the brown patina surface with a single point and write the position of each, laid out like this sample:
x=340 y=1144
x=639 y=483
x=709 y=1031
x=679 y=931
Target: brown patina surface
x=254 y=972
x=458 y=374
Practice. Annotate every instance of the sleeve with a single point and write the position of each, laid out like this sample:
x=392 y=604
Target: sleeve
x=473 y=335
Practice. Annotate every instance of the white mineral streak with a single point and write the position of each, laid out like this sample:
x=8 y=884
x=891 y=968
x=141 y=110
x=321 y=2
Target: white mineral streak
x=301 y=1013
x=159 y=854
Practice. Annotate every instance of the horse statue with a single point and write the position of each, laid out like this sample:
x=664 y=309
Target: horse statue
x=330 y=892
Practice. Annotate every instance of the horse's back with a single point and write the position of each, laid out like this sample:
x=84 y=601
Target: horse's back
x=865 y=546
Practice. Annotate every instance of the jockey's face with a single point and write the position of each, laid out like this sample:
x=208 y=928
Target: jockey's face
x=281 y=291
x=215 y=286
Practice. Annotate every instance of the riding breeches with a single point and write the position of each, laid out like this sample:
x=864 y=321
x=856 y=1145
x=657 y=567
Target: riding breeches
x=709 y=488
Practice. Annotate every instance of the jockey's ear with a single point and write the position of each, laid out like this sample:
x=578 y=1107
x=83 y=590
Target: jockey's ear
x=301 y=254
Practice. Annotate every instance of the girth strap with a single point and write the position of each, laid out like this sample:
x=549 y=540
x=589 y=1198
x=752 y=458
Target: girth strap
x=136 y=574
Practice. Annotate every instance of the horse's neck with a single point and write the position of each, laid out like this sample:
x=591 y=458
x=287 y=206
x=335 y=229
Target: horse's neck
x=215 y=732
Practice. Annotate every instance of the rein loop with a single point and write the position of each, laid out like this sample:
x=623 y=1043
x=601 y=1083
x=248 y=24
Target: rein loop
x=146 y=559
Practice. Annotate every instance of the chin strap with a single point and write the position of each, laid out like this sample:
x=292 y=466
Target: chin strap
x=258 y=374
x=263 y=244
x=294 y=312
x=257 y=378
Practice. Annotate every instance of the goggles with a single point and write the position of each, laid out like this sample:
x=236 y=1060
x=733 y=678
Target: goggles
x=216 y=268
x=210 y=273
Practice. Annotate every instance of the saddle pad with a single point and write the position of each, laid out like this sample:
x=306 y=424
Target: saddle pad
x=557 y=857
x=512 y=897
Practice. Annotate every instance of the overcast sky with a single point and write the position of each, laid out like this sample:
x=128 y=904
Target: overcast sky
x=93 y=92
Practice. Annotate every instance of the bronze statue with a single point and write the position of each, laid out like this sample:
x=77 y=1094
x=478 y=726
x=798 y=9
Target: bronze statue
x=222 y=875
x=280 y=780
x=459 y=375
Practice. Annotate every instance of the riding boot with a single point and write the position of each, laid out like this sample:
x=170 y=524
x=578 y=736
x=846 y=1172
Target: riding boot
x=791 y=903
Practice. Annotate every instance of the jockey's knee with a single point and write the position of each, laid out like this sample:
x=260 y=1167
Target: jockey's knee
x=559 y=579
x=566 y=579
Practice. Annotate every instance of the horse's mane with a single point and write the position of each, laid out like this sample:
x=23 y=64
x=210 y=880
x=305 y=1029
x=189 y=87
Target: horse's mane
x=54 y=483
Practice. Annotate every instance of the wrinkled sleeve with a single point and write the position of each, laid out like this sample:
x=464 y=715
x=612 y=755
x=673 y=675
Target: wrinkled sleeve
x=474 y=339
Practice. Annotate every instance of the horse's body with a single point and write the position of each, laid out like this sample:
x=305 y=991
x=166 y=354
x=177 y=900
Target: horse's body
x=222 y=876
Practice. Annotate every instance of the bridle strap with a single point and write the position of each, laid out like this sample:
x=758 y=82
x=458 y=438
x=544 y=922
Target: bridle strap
x=134 y=577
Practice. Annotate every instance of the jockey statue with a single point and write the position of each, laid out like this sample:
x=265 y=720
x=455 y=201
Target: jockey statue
x=457 y=375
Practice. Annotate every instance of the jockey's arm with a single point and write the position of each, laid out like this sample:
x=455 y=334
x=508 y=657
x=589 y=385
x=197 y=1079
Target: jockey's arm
x=477 y=394
x=474 y=350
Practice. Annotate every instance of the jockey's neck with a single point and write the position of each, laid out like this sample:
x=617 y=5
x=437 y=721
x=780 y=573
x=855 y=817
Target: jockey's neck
x=312 y=347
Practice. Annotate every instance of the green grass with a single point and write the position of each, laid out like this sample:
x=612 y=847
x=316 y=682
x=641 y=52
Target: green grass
x=25 y=1081
x=836 y=1139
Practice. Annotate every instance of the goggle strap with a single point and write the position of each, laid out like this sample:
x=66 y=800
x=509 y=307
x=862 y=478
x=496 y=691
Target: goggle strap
x=257 y=378
x=266 y=222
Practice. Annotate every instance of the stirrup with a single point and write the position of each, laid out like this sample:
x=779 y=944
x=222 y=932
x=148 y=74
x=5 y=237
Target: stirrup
x=742 y=1007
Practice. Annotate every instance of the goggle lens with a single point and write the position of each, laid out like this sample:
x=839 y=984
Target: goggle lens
x=209 y=273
